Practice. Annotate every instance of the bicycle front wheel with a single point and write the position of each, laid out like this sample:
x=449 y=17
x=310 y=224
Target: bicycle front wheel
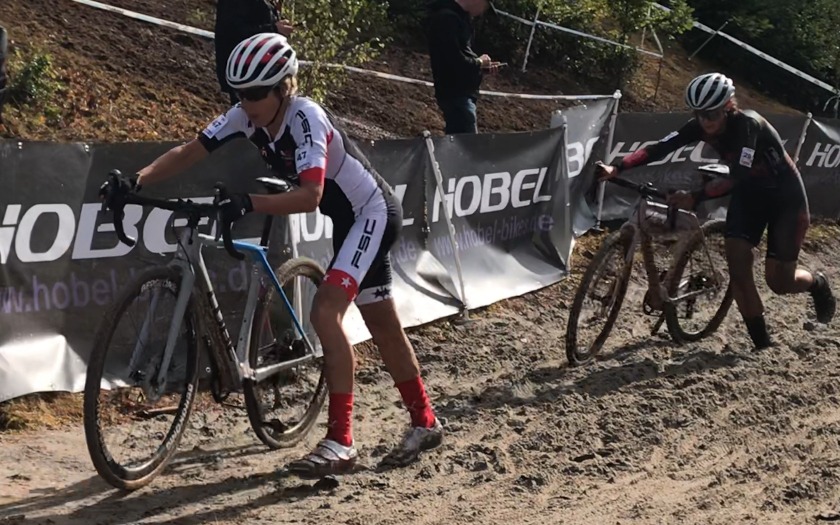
x=598 y=299
x=699 y=290
x=133 y=422
x=283 y=407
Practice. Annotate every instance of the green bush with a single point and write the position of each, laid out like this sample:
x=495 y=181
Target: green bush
x=802 y=34
x=32 y=78
x=506 y=39
x=349 y=32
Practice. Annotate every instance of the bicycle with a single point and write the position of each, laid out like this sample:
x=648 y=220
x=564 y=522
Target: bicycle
x=268 y=357
x=673 y=294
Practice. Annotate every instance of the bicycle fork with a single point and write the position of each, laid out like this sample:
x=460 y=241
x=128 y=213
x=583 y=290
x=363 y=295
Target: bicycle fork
x=187 y=281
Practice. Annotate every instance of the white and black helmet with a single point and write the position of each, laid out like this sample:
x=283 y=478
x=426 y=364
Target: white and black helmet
x=709 y=91
x=262 y=60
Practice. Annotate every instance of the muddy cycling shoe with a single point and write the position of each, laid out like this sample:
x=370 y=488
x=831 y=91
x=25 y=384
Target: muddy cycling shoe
x=415 y=441
x=825 y=303
x=328 y=458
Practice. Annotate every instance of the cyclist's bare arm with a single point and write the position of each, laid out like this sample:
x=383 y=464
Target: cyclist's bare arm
x=174 y=161
x=690 y=132
x=299 y=200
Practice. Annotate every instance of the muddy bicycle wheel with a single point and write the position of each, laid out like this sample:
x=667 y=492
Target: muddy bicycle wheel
x=704 y=284
x=132 y=423
x=598 y=299
x=283 y=408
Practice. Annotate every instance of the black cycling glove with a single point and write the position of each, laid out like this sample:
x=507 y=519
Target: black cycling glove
x=235 y=206
x=118 y=185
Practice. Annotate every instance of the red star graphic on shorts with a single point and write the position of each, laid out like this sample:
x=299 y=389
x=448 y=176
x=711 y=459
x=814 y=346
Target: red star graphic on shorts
x=343 y=280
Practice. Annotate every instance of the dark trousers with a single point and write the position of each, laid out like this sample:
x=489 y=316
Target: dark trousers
x=459 y=114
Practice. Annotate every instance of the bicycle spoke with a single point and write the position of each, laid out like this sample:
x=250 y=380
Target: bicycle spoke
x=597 y=302
x=132 y=424
x=283 y=406
x=700 y=295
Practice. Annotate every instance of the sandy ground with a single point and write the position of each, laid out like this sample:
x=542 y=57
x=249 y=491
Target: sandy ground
x=652 y=433
x=709 y=433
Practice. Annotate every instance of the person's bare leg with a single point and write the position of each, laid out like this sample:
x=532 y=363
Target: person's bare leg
x=398 y=355
x=336 y=452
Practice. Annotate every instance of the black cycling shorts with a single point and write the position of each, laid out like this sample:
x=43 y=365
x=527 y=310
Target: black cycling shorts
x=362 y=261
x=782 y=210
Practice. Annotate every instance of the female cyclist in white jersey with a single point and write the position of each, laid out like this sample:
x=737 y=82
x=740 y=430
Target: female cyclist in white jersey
x=302 y=144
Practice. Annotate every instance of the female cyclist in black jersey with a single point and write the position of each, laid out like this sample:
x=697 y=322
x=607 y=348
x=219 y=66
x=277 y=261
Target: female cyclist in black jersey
x=766 y=192
x=302 y=144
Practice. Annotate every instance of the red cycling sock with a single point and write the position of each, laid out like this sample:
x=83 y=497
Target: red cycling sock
x=417 y=402
x=340 y=419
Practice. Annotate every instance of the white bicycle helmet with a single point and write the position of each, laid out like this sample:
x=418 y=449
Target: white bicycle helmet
x=262 y=60
x=709 y=91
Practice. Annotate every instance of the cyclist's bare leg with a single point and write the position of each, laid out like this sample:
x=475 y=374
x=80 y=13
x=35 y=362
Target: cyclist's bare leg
x=785 y=278
x=739 y=258
x=335 y=453
x=397 y=353
x=785 y=236
x=328 y=310
x=395 y=348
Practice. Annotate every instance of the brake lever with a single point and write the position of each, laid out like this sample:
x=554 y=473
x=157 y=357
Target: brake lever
x=118 y=208
x=224 y=227
x=118 y=226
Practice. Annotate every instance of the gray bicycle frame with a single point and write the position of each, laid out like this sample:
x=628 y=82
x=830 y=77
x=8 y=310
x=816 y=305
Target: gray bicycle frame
x=239 y=357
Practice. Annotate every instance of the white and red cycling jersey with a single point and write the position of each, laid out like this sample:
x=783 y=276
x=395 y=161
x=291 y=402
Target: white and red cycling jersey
x=366 y=214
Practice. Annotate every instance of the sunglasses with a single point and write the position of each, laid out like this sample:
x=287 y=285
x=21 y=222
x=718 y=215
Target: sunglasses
x=254 y=94
x=710 y=116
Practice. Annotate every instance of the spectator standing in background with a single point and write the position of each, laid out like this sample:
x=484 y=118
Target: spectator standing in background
x=237 y=20
x=456 y=69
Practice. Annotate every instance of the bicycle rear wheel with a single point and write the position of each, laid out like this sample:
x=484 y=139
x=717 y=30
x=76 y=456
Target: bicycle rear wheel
x=605 y=284
x=702 y=284
x=121 y=389
x=283 y=408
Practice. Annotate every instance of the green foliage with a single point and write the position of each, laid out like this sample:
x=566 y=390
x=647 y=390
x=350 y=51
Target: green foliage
x=200 y=17
x=803 y=34
x=616 y=20
x=32 y=79
x=349 y=32
x=404 y=19
x=817 y=37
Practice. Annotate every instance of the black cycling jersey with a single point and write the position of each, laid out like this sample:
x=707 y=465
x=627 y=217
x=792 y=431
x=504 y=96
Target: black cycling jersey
x=750 y=146
x=767 y=189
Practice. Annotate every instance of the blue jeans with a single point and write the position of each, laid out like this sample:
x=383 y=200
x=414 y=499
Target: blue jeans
x=459 y=114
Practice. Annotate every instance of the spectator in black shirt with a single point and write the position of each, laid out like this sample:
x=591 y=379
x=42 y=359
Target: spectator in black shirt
x=237 y=20
x=456 y=69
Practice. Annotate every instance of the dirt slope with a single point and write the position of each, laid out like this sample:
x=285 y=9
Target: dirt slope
x=707 y=433
x=128 y=80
